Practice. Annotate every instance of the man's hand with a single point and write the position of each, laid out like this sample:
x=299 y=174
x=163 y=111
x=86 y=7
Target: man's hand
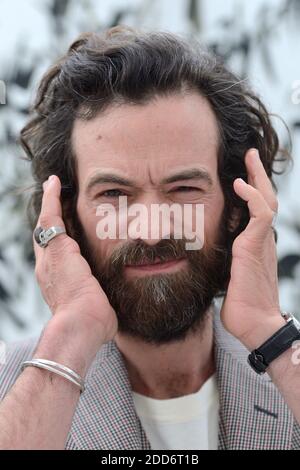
x=251 y=309
x=37 y=412
x=67 y=284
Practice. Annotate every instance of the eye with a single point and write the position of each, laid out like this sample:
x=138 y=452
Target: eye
x=112 y=193
x=185 y=189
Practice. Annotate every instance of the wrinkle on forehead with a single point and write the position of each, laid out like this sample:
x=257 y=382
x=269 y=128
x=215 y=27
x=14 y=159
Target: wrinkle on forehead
x=168 y=132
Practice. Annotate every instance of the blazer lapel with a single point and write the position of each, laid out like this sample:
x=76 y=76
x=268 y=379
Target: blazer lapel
x=253 y=414
x=105 y=417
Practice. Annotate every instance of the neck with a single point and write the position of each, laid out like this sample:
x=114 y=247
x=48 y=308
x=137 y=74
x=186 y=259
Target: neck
x=170 y=370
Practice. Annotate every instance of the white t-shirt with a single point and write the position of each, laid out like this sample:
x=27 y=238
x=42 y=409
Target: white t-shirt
x=185 y=423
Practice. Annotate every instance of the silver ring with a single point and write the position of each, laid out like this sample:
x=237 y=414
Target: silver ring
x=43 y=236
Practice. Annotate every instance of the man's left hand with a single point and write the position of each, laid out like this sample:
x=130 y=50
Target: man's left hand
x=251 y=310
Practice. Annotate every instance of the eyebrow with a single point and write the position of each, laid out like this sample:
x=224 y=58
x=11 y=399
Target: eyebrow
x=108 y=178
x=191 y=174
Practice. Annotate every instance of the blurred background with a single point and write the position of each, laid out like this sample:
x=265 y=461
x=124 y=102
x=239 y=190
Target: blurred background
x=259 y=40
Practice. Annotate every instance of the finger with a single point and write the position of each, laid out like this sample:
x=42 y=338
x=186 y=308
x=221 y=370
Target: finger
x=261 y=215
x=51 y=210
x=258 y=178
x=38 y=251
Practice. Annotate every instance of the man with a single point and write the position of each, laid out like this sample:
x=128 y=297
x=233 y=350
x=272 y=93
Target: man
x=135 y=327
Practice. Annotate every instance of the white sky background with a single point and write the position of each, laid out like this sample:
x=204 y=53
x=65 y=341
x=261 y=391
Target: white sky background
x=24 y=23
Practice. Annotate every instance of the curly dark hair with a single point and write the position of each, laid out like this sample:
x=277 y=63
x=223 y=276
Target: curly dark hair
x=122 y=65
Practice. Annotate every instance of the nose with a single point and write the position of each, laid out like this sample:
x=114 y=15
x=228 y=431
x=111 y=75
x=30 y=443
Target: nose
x=149 y=220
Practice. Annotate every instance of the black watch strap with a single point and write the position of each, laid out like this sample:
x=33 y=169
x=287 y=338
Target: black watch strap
x=260 y=358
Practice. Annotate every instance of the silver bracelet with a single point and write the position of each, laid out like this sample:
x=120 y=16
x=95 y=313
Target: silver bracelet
x=56 y=368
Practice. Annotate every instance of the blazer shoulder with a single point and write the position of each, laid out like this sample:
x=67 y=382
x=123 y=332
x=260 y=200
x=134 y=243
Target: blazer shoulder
x=296 y=436
x=12 y=357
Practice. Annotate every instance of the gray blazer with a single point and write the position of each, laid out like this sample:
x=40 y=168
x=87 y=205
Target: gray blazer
x=253 y=414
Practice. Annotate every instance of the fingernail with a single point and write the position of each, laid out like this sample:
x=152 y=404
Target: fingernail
x=51 y=179
x=240 y=180
x=255 y=153
x=45 y=184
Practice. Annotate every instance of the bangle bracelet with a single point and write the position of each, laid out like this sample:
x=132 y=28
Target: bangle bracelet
x=61 y=367
x=58 y=369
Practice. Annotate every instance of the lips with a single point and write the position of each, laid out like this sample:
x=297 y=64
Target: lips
x=155 y=262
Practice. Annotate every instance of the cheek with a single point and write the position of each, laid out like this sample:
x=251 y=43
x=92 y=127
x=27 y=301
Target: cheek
x=87 y=217
x=89 y=221
x=212 y=216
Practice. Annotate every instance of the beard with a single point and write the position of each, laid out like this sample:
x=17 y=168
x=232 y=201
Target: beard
x=164 y=307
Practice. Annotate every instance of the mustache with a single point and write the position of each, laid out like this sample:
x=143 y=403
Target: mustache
x=139 y=252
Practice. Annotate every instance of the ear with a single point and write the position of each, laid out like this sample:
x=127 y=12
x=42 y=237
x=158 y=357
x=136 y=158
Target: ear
x=234 y=220
x=67 y=216
x=70 y=229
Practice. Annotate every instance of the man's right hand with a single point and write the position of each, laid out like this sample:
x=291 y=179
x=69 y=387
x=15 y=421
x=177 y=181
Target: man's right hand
x=76 y=299
x=37 y=412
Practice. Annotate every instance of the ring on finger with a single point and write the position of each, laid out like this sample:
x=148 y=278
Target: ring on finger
x=43 y=236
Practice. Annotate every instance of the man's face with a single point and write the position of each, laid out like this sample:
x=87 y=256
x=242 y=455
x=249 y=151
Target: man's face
x=164 y=152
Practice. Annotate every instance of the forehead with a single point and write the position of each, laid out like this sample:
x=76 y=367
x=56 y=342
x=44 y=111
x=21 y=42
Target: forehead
x=167 y=133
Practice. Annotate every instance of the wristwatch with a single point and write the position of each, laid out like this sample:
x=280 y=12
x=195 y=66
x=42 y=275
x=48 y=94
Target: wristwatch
x=260 y=358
